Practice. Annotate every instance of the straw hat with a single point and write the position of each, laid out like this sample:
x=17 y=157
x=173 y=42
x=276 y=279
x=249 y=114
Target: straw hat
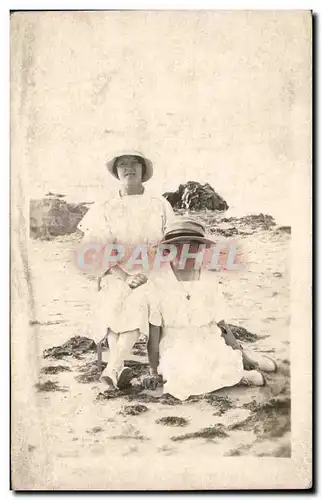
x=186 y=229
x=148 y=163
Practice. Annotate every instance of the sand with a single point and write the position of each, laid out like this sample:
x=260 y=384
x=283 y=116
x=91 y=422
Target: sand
x=85 y=436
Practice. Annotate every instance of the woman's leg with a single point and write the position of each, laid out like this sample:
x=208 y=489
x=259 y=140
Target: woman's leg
x=120 y=345
x=259 y=360
x=252 y=378
x=125 y=342
x=111 y=368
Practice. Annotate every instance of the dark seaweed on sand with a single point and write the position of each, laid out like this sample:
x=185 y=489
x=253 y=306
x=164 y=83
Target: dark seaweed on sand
x=49 y=386
x=95 y=430
x=221 y=403
x=91 y=367
x=241 y=333
x=269 y=420
x=111 y=393
x=140 y=349
x=138 y=369
x=89 y=372
x=75 y=346
x=86 y=378
x=173 y=421
x=52 y=370
x=165 y=399
x=216 y=431
x=133 y=410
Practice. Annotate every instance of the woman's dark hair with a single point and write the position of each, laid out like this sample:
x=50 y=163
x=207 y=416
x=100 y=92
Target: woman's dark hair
x=138 y=159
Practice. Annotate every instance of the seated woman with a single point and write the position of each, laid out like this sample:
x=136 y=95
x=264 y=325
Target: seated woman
x=185 y=344
x=129 y=218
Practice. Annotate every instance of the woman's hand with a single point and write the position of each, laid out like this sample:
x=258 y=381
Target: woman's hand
x=151 y=381
x=136 y=280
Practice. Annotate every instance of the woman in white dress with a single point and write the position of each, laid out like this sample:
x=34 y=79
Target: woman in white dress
x=185 y=305
x=131 y=218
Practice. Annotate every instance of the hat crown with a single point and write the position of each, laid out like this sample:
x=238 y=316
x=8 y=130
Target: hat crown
x=129 y=152
x=185 y=225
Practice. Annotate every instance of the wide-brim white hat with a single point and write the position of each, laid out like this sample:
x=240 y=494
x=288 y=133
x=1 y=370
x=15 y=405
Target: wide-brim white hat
x=185 y=230
x=148 y=163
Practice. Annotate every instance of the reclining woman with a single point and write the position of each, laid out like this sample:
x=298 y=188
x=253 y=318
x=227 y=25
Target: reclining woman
x=131 y=218
x=185 y=304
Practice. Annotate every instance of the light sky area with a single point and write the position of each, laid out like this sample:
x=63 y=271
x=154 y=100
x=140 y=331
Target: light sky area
x=218 y=97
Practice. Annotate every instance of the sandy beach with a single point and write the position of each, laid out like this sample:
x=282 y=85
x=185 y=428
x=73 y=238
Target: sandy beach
x=86 y=430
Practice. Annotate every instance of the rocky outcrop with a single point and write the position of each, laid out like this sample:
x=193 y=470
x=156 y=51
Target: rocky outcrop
x=262 y=221
x=284 y=229
x=196 y=196
x=52 y=216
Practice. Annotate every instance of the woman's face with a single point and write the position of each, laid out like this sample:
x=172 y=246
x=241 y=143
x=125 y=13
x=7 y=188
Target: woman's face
x=194 y=248
x=129 y=170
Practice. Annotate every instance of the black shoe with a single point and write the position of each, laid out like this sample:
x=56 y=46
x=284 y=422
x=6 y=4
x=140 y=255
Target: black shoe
x=124 y=378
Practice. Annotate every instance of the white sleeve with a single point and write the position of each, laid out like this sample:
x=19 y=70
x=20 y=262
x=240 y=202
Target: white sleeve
x=95 y=225
x=167 y=215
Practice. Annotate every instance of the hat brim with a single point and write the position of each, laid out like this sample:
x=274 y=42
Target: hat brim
x=148 y=165
x=188 y=239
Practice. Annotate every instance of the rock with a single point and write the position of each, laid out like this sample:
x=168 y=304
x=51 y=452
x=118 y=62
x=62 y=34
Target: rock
x=195 y=196
x=52 y=217
x=73 y=347
x=284 y=229
x=216 y=224
x=228 y=233
x=174 y=198
x=283 y=451
x=56 y=195
x=259 y=221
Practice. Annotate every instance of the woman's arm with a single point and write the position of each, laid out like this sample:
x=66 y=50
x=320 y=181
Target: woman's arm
x=167 y=215
x=118 y=272
x=229 y=337
x=153 y=348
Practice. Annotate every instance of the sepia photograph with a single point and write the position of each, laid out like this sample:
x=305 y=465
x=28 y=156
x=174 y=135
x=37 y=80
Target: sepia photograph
x=160 y=250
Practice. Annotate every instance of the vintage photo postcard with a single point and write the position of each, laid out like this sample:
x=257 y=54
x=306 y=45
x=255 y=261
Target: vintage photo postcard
x=161 y=250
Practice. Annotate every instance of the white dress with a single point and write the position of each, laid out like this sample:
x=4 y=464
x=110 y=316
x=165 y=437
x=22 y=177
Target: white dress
x=129 y=220
x=194 y=358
